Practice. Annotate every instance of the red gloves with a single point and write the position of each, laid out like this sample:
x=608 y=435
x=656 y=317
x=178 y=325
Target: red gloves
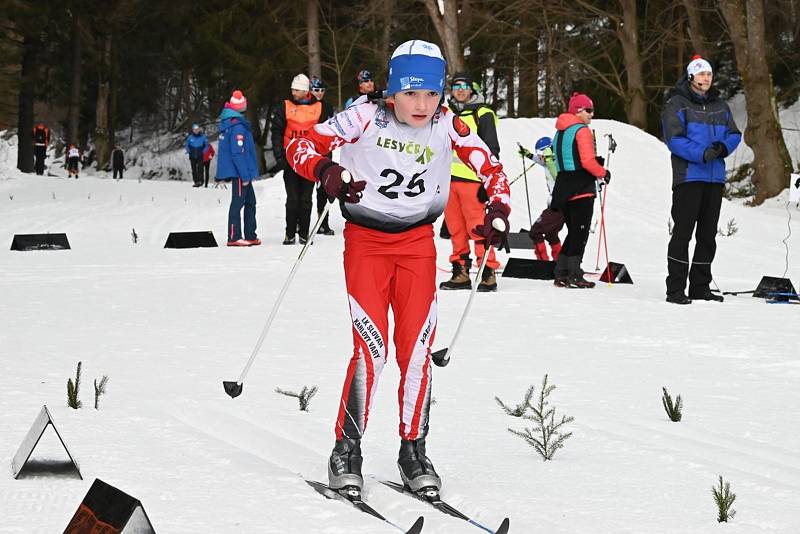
x=495 y=226
x=338 y=183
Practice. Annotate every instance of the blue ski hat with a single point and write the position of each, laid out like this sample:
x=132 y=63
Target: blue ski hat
x=416 y=65
x=543 y=143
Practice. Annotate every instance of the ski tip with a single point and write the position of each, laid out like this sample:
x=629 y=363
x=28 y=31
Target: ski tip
x=504 y=526
x=440 y=357
x=417 y=527
x=233 y=389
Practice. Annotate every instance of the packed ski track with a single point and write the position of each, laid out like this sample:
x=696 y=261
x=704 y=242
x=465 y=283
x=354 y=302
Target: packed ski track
x=168 y=326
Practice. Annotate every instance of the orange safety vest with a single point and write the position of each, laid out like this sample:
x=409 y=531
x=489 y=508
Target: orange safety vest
x=300 y=118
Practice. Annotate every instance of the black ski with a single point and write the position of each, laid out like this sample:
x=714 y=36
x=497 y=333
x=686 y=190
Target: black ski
x=432 y=497
x=352 y=495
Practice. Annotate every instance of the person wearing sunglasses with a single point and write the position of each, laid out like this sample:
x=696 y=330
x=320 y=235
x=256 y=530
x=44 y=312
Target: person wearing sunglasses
x=366 y=85
x=467 y=201
x=318 y=90
x=579 y=170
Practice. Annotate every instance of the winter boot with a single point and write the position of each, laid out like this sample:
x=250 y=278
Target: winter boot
x=303 y=239
x=575 y=278
x=704 y=294
x=488 y=281
x=460 y=279
x=555 y=249
x=561 y=272
x=416 y=469
x=540 y=250
x=678 y=298
x=344 y=465
x=288 y=240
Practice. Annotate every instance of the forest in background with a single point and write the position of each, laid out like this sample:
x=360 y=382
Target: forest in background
x=90 y=69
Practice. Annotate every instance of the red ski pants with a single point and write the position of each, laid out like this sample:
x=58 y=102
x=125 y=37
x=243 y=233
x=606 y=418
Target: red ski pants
x=462 y=214
x=383 y=270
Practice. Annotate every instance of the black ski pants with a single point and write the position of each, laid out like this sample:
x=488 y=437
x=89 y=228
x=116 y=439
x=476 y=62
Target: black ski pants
x=693 y=204
x=578 y=216
x=197 y=170
x=118 y=172
x=39 y=153
x=298 y=203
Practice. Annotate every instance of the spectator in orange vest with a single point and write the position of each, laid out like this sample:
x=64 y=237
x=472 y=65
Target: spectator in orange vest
x=294 y=119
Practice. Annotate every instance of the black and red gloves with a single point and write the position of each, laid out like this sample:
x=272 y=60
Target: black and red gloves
x=338 y=182
x=495 y=226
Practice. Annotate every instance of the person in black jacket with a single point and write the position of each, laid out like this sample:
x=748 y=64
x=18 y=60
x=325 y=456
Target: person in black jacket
x=41 y=138
x=318 y=90
x=700 y=132
x=117 y=161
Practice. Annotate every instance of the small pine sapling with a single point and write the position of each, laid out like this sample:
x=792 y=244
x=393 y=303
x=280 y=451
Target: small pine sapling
x=730 y=230
x=99 y=389
x=674 y=411
x=724 y=498
x=73 y=389
x=546 y=436
x=304 y=397
x=521 y=408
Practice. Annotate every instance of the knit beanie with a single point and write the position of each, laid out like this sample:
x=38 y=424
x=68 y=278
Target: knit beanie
x=698 y=64
x=579 y=102
x=237 y=102
x=416 y=65
x=301 y=83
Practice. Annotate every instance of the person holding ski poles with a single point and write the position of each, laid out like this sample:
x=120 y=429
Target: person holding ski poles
x=467 y=200
x=398 y=152
x=550 y=222
x=579 y=170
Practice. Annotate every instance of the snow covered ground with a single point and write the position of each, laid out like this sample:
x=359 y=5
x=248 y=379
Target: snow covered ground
x=167 y=326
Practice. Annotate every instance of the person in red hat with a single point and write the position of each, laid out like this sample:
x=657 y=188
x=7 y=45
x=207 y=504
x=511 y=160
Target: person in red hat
x=579 y=170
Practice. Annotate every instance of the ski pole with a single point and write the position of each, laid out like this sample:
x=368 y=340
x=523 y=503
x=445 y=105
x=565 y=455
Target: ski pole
x=605 y=236
x=520 y=175
x=601 y=233
x=527 y=197
x=234 y=389
x=442 y=357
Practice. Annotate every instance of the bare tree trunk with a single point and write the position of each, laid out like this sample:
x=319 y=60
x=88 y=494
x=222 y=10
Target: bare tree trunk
x=102 y=138
x=25 y=108
x=312 y=22
x=511 y=95
x=696 y=33
x=771 y=161
x=628 y=34
x=446 y=25
x=74 y=113
x=528 y=61
x=680 y=52
x=386 y=35
x=253 y=108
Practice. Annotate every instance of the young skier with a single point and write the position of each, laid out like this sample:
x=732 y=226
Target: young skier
x=74 y=157
x=550 y=221
x=398 y=152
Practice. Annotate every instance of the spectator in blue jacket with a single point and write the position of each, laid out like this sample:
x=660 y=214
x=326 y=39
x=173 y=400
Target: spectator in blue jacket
x=700 y=132
x=196 y=144
x=237 y=162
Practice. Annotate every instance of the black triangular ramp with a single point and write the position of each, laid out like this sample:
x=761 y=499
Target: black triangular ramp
x=520 y=239
x=24 y=242
x=619 y=274
x=190 y=240
x=526 y=268
x=107 y=509
x=32 y=438
x=772 y=287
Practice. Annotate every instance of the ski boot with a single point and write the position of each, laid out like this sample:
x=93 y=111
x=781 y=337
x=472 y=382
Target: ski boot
x=344 y=465
x=488 y=281
x=460 y=279
x=416 y=469
x=575 y=278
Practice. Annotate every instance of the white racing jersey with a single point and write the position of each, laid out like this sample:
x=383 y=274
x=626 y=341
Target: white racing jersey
x=407 y=169
x=74 y=153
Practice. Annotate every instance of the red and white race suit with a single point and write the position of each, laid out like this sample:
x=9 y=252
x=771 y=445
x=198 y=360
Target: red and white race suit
x=389 y=255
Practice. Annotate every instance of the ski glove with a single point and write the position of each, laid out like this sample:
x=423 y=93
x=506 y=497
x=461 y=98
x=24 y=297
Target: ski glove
x=495 y=226
x=524 y=152
x=338 y=183
x=600 y=160
x=606 y=179
x=716 y=150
